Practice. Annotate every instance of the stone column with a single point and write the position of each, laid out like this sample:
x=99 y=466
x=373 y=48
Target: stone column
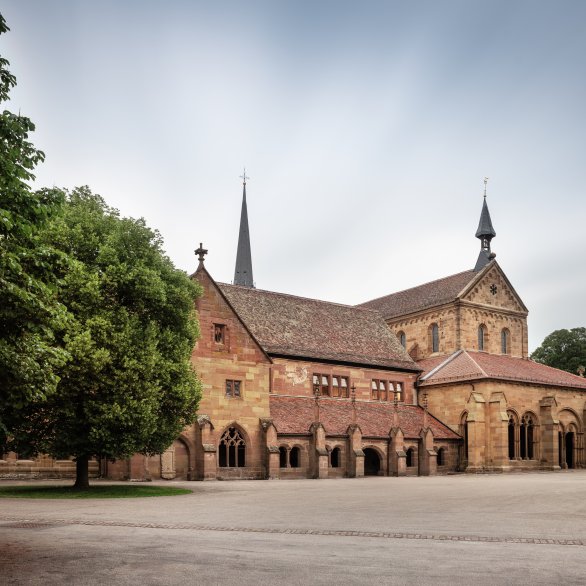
x=319 y=461
x=549 y=427
x=206 y=450
x=499 y=432
x=355 y=453
x=427 y=454
x=271 y=460
x=476 y=433
x=397 y=455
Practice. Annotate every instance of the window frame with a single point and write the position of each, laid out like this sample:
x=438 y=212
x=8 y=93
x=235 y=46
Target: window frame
x=235 y=387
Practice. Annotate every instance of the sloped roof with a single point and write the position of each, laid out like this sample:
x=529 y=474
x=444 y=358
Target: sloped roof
x=464 y=365
x=294 y=415
x=286 y=325
x=427 y=295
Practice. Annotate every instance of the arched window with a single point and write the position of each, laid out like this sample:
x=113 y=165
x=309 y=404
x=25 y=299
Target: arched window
x=232 y=449
x=464 y=434
x=282 y=457
x=440 y=457
x=335 y=458
x=434 y=334
x=526 y=440
x=505 y=341
x=402 y=339
x=512 y=436
x=294 y=457
x=481 y=337
x=409 y=459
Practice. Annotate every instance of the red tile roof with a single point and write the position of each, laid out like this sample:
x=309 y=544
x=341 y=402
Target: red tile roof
x=421 y=297
x=295 y=326
x=464 y=365
x=294 y=415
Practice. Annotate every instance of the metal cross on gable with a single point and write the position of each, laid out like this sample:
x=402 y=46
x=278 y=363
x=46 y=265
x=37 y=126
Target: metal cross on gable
x=201 y=252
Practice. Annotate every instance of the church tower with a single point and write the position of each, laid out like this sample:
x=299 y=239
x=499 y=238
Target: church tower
x=485 y=233
x=243 y=271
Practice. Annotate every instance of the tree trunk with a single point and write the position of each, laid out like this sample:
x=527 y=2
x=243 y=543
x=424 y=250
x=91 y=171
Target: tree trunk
x=82 y=481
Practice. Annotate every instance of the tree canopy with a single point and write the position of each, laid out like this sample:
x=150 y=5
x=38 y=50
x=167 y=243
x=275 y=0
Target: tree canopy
x=563 y=349
x=129 y=386
x=30 y=313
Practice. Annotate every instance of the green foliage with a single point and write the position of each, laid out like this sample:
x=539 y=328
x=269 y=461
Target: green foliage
x=129 y=386
x=101 y=491
x=29 y=313
x=563 y=349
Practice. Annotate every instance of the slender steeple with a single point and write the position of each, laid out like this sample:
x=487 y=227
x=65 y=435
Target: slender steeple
x=485 y=233
x=243 y=271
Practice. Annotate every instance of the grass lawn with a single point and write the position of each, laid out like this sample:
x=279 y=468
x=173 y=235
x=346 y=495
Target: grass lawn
x=100 y=491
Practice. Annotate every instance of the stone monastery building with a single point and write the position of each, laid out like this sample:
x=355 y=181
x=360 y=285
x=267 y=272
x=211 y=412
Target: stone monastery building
x=430 y=380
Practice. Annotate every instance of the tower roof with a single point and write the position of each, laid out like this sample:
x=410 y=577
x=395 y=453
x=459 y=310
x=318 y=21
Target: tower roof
x=243 y=270
x=485 y=228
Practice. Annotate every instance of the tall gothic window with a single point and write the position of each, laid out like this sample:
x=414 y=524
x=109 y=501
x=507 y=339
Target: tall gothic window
x=481 y=337
x=232 y=449
x=505 y=341
x=434 y=329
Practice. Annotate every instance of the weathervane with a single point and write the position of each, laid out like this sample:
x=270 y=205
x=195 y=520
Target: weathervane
x=244 y=177
x=485 y=182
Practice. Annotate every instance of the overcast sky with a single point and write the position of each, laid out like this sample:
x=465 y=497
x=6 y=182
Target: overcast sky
x=366 y=128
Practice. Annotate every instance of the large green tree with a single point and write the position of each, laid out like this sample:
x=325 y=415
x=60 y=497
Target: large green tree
x=563 y=349
x=29 y=311
x=129 y=386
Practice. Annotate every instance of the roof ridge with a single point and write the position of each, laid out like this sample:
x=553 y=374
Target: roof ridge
x=300 y=297
x=442 y=364
x=417 y=286
x=476 y=363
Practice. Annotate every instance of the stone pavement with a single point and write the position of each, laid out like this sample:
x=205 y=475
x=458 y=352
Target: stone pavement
x=487 y=529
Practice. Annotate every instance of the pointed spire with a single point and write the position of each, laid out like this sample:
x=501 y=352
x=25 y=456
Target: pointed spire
x=243 y=271
x=485 y=233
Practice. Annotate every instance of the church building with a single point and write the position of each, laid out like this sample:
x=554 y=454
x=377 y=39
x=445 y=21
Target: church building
x=431 y=380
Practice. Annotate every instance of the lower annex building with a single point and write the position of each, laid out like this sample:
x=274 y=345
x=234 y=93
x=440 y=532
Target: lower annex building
x=430 y=380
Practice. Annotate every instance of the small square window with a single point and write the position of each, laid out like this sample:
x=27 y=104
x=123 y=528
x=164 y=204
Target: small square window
x=219 y=333
x=233 y=388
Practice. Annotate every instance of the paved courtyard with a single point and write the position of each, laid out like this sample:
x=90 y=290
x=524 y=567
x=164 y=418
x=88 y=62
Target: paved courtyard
x=486 y=529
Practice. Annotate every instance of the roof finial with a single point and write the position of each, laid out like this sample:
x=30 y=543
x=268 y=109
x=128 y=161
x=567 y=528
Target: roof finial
x=201 y=252
x=485 y=182
x=244 y=177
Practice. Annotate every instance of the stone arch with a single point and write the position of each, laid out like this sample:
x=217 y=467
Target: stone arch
x=570 y=438
x=373 y=459
x=295 y=454
x=233 y=447
x=283 y=456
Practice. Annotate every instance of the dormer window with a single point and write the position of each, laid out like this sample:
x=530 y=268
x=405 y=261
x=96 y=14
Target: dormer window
x=219 y=333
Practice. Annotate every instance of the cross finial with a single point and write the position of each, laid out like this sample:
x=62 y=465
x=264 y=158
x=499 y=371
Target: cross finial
x=201 y=252
x=244 y=177
x=485 y=182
